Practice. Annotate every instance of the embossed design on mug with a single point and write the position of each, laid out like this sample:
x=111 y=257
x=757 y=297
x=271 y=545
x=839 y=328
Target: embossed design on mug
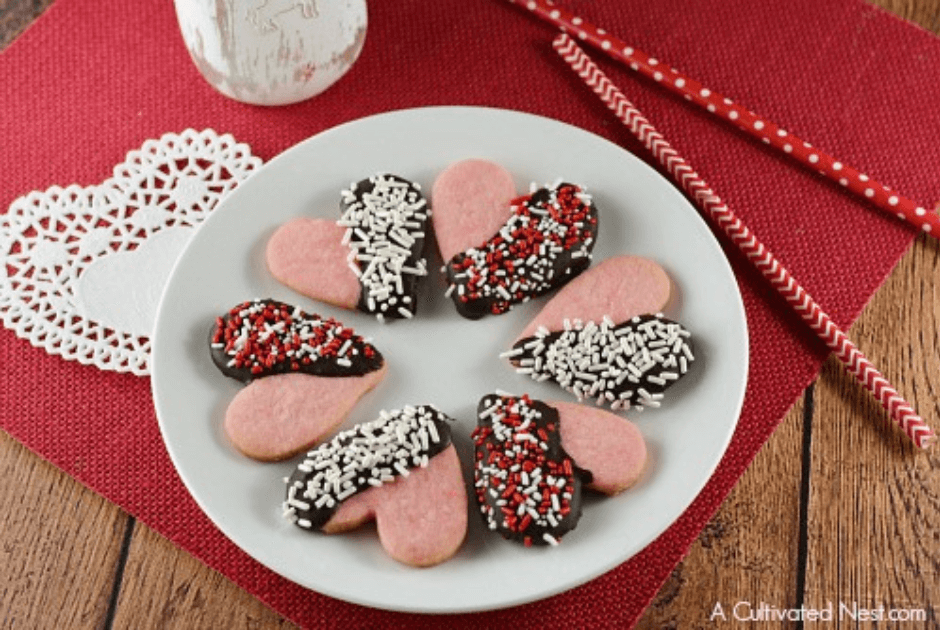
x=264 y=16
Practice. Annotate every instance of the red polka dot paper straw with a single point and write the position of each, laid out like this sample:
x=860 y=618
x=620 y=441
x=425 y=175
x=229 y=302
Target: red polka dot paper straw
x=725 y=109
x=801 y=302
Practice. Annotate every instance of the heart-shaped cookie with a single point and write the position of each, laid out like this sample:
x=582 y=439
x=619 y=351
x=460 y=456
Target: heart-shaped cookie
x=308 y=255
x=304 y=374
x=602 y=337
x=401 y=470
x=534 y=458
x=545 y=239
x=85 y=266
x=611 y=448
x=372 y=258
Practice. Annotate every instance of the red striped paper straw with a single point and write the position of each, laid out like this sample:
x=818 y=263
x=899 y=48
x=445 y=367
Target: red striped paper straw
x=725 y=109
x=855 y=362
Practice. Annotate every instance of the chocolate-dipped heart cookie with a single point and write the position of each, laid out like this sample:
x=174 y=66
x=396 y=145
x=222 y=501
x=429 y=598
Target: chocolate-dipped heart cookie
x=533 y=460
x=602 y=336
x=303 y=373
x=546 y=240
x=371 y=259
x=400 y=470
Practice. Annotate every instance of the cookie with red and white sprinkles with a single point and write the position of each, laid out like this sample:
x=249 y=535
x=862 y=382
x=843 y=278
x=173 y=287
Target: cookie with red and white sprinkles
x=266 y=337
x=303 y=375
x=527 y=487
x=624 y=365
x=547 y=241
x=386 y=219
x=533 y=459
x=400 y=469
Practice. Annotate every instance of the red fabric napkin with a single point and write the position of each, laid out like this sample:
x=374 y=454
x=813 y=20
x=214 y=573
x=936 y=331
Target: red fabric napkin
x=93 y=79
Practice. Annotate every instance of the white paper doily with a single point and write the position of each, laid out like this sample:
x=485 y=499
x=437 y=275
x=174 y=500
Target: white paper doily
x=85 y=267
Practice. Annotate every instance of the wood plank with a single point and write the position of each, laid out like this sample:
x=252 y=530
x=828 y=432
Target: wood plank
x=59 y=545
x=16 y=15
x=165 y=587
x=875 y=507
x=748 y=552
x=923 y=12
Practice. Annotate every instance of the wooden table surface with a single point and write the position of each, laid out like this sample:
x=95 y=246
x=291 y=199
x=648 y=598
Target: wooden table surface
x=835 y=508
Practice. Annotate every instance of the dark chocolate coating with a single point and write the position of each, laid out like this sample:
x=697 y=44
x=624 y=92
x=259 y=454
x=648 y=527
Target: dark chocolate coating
x=626 y=385
x=360 y=363
x=410 y=282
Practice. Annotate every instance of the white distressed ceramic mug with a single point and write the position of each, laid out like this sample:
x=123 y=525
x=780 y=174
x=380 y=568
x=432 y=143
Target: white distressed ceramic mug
x=272 y=52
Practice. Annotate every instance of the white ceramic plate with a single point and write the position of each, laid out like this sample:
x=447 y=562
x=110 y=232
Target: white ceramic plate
x=440 y=358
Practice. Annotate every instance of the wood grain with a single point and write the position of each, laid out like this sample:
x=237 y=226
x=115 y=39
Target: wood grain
x=837 y=509
x=875 y=511
x=749 y=551
x=165 y=587
x=59 y=545
x=16 y=15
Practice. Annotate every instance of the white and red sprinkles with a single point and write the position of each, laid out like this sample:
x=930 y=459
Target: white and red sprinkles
x=527 y=488
x=547 y=240
x=367 y=455
x=623 y=366
x=385 y=217
x=262 y=337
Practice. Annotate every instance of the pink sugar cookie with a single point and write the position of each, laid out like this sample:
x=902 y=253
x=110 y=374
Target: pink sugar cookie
x=471 y=202
x=609 y=446
x=421 y=520
x=372 y=258
x=533 y=459
x=277 y=417
x=603 y=338
x=547 y=240
x=308 y=256
x=303 y=372
x=619 y=288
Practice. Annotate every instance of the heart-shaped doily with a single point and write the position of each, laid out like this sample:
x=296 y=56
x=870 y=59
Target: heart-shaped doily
x=85 y=267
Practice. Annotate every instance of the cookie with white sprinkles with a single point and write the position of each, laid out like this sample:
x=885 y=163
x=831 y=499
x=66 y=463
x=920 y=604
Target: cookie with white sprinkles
x=624 y=365
x=400 y=469
x=303 y=374
x=371 y=259
x=547 y=241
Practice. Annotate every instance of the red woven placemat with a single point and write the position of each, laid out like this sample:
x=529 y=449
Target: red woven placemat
x=92 y=80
